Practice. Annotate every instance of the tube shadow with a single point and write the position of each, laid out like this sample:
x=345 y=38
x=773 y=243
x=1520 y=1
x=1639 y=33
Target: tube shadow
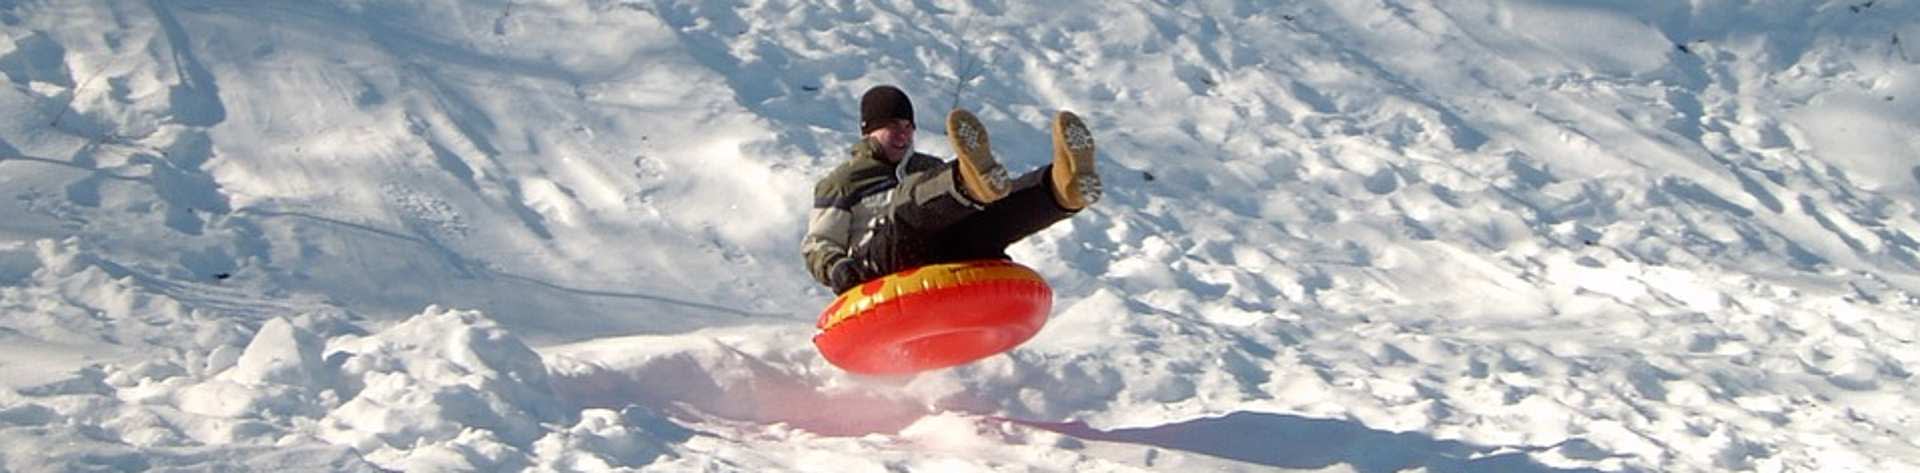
x=1295 y=442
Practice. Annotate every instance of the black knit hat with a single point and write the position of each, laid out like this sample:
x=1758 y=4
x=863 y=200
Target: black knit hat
x=882 y=104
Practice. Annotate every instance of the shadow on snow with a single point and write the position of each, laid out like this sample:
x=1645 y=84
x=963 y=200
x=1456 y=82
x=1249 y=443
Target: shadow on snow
x=1287 y=441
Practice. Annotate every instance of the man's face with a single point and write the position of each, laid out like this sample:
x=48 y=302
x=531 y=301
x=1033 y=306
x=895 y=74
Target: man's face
x=896 y=138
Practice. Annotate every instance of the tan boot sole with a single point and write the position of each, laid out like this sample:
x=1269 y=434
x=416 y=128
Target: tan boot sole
x=1075 y=184
x=983 y=177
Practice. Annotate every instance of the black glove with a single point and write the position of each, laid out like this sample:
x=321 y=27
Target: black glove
x=846 y=274
x=884 y=250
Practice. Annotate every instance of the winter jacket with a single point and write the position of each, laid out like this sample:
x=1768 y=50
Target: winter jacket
x=842 y=246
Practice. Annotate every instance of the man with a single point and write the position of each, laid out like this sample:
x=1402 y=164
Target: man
x=890 y=208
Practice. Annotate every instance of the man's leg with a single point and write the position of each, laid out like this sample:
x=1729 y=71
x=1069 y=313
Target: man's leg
x=907 y=231
x=1038 y=199
x=929 y=203
x=1030 y=207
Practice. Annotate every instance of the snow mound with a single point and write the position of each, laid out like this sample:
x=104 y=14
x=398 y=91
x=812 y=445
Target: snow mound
x=445 y=390
x=604 y=440
x=449 y=380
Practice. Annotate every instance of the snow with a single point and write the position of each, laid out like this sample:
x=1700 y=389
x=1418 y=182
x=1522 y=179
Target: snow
x=440 y=235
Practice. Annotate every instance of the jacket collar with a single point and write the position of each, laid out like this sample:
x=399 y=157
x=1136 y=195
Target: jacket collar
x=868 y=150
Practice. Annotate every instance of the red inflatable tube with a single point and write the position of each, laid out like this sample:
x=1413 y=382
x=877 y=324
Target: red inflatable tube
x=934 y=317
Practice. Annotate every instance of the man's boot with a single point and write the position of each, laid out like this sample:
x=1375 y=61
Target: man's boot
x=983 y=178
x=1075 y=184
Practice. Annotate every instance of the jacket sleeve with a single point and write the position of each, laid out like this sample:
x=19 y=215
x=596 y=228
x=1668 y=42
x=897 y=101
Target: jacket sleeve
x=826 y=245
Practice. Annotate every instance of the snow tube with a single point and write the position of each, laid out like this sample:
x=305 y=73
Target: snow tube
x=933 y=316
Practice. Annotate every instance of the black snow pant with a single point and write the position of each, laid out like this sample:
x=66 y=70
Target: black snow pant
x=928 y=221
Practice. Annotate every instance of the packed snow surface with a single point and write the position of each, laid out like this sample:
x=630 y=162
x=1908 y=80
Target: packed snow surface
x=1338 y=235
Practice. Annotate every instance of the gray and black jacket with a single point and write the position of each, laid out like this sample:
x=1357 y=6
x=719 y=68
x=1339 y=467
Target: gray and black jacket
x=865 y=223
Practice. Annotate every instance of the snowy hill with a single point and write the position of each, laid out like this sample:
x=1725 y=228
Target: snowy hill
x=356 y=235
